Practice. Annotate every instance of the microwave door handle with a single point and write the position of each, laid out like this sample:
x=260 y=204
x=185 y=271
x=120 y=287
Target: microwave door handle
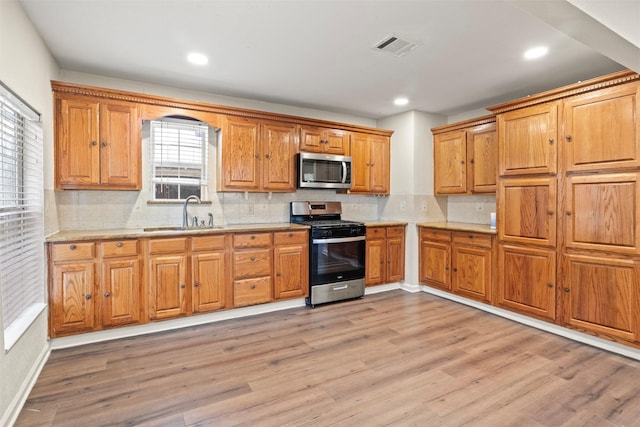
x=344 y=172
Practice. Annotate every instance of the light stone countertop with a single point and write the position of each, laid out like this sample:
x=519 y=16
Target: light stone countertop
x=459 y=226
x=383 y=223
x=136 y=233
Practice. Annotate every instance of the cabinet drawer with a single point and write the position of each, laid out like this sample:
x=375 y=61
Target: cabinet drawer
x=164 y=246
x=251 y=291
x=251 y=240
x=435 y=234
x=206 y=243
x=73 y=251
x=252 y=263
x=376 y=232
x=287 y=237
x=395 y=231
x=119 y=248
x=472 y=239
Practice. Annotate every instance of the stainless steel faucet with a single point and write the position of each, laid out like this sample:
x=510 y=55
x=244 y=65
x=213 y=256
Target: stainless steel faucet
x=185 y=219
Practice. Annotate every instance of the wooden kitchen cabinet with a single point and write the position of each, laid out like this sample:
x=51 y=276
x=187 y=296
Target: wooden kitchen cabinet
x=384 y=254
x=94 y=285
x=527 y=210
x=97 y=144
x=315 y=139
x=291 y=264
x=168 y=278
x=472 y=260
x=257 y=156
x=527 y=140
x=435 y=258
x=601 y=129
x=209 y=273
x=527 y=281
x=252 y=269
x=465 y=157
x=370 y=172
x=601 y=295
x=602 y=212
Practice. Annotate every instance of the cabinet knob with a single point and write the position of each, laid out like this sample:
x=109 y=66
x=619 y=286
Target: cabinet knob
x=119 y=245
x=389 y=262
x=266 y=156
x=257 y=156
x=568 y=138
x=290 y=234
x=472 y=161
x=549 y=285
x=278 y=274
x=252 y=258
x=471 y=236
x=196 y=283
x=107 y=294
x=182 y=286
x=566 y=289
x=446 y=267
x=253 y=286
x=253 y=237
x=94 y=143
x=551 y=141
x=550 y=212
x=87 y=297
x=104 y=143
x=462 y=162
x=72 y=247
x=455 y=270
x=568 y=213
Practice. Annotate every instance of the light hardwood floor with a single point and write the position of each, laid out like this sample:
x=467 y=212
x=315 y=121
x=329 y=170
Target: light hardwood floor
x=392 y=358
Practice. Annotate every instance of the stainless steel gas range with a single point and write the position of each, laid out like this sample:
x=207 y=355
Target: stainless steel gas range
x=336 y=252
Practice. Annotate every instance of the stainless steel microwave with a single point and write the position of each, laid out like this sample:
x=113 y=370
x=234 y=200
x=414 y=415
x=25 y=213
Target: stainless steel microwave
x=324 y=171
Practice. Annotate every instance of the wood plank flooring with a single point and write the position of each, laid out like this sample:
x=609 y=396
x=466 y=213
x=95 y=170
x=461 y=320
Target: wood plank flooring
x=392 y=358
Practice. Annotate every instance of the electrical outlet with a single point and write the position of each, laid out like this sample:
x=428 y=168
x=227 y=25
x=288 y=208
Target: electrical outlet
x=403 y=205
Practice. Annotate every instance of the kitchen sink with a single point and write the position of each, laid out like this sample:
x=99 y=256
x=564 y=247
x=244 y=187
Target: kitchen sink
x=179 y=228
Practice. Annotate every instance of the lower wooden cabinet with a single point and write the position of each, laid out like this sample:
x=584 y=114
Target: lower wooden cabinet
x=252 y=269
x=456 y=261
x=94 y=285
x=601 y=295
x=528 y=280
x=290 y=264
x=209 y=273
x=384 y=254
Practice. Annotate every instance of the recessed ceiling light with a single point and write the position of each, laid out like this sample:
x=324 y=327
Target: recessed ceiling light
x=536 y=52
x=197 y=58
x=401 y=101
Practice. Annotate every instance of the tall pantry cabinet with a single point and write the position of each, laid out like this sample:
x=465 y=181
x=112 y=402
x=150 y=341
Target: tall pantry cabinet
x=569 y=206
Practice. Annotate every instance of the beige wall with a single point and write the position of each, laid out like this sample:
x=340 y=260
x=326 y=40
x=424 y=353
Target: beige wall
x=26 y=67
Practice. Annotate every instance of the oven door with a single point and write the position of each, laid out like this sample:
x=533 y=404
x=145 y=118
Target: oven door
x=336 y=260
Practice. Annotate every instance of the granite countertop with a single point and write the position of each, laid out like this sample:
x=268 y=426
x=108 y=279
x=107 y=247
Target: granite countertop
x=383 y=223
x=459 y=226
x=135 y=233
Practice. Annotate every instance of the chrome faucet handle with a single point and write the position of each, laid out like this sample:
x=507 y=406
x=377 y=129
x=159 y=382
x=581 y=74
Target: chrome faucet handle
x=210 y=220
x=195 y=221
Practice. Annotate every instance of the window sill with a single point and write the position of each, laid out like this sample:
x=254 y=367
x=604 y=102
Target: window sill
x=175 y=202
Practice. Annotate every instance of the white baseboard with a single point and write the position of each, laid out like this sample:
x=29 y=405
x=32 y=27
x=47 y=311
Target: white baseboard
x=11 y=415
x=591 y=340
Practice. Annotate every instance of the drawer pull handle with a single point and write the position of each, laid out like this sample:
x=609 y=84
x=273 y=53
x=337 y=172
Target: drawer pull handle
x=290 y=234
x=471 y=236
x=119 y=245
x=339 y=288
x=253 y=237
x=72 y=247
x=253 y=286
x=252 y=258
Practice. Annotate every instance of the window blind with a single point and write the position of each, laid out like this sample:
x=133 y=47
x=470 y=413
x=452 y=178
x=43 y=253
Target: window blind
x=21 y=215
x=179 y=158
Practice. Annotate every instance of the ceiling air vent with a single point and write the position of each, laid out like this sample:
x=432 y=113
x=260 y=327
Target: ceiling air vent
x=395 y=46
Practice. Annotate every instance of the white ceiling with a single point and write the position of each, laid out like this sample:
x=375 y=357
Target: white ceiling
x=318 y=53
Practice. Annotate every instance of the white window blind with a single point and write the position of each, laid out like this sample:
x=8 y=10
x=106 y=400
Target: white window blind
x=178 y=158
x=21 y=215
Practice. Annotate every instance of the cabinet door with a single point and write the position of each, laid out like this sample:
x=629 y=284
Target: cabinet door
x=434 y=264
x=279 y=148
x=168 y=286
x=241 y=155
x=120 y=145
x=291 y=271
x=601 y=295
x=360 y=167
x=602 y=129
x=482 y=145
x=311 y=139
x=395 y=258
x=335 y=141
x=527 y=140
x=450 y=158
x=77 y=151
x=72 y=298
x=603 y=212
x=121 y=292
x=375 y=261
x=209 y=281
x=252 y=291
x=380 y=172
x=471 y=275
x=527 y=210
x=527 y=280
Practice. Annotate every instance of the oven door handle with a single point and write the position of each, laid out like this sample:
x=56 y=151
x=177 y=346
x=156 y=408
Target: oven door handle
x=340 y=240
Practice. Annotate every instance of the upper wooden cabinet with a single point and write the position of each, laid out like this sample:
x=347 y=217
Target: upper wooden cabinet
x=370 y=171
x=601 y=129
x=97 y=144
x=465 y=157
x=257 y=156
x=527 y=140
x=323 y=140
